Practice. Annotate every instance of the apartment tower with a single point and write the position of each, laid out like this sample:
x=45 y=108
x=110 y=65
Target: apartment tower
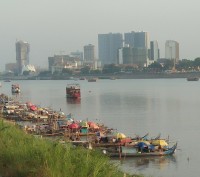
x=172 y=50
x=22 y=55
x=108 y=45
x=89 y=52
x=137 y=39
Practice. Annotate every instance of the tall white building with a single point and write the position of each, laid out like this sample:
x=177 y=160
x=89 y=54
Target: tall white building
x=22 y=55
x=172 y=50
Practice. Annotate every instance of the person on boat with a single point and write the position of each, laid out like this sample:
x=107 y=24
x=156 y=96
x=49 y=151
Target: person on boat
x=98 y=137
x=119 y=140
x=114 y=140
x=139 y=149
x=160 y=148
x=77 y=136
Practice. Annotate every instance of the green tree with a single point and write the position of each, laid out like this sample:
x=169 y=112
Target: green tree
x=111 y=68
x=168 y=65
x=197 y=62
x=45 y=73
x=155 y=65
x=85 y=70
x=26 y=73
x=185 y=65
x=66 y=71
x=95 y=71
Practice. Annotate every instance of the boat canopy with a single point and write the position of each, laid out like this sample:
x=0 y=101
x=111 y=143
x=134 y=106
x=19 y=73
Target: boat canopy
x=159 y=142
x=73 y=86
x=120 y=135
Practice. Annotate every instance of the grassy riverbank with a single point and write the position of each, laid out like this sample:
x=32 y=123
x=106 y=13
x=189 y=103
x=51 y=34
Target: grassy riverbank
x=22 y=155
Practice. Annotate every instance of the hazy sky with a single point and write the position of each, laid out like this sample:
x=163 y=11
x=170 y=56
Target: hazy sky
x=52 y=26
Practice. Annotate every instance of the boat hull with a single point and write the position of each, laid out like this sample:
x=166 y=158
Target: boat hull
x=193 y=79
x=73 y=91
x=15 y=88
x=73 y=96
x=170 y=151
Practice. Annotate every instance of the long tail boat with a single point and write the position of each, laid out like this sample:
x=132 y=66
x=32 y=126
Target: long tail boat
x=121 y=152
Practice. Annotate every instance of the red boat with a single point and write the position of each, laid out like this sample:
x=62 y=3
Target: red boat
x=73 y=91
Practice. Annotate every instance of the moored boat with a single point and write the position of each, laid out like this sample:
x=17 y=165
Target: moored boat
x=73 y=91
x=92 y=80
x=133 y=152
x=192 y=79
x=15 y=88
x=82 y=78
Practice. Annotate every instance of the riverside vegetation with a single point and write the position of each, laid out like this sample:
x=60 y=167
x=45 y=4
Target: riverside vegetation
x=23 y=155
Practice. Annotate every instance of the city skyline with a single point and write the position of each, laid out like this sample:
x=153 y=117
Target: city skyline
x=51 y=27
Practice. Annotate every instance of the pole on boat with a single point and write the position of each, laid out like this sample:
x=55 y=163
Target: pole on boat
x=120 y=151
x=87 y=130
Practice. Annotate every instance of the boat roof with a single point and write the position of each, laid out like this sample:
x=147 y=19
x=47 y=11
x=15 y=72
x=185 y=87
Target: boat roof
x=73 y=85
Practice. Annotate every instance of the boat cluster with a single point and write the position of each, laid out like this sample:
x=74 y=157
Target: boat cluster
x=47 y=122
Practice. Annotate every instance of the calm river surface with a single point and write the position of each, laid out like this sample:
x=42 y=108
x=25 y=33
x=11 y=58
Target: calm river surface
x=135 y=106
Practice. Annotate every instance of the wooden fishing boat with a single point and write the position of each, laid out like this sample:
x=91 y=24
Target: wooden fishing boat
x=126 y=152
x=79 y=134
x=52 y=134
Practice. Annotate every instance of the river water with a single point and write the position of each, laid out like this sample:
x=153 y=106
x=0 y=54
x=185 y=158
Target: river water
x=132 y=106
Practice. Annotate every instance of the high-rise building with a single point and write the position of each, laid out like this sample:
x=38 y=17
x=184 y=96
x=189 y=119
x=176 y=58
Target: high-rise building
x=137 y=39
x=154 y=52
x=172 y=50
x=22 y=55
x=108 y=45
x=133 y=56
x=89 y=52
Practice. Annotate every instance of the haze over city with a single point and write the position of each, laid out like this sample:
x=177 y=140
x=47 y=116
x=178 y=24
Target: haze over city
x=64 y=26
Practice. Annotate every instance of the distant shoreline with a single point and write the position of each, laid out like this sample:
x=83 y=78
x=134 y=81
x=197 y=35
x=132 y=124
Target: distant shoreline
x=140 y=75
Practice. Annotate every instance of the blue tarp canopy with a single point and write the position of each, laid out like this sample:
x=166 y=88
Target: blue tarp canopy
x=143 y=145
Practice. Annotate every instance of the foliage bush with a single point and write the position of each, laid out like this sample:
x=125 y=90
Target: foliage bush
x=23 y=155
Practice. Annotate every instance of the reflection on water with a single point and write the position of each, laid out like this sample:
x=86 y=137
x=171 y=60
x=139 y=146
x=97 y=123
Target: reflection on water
x=142 y=163
x=73 y=101
x=16 y=97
